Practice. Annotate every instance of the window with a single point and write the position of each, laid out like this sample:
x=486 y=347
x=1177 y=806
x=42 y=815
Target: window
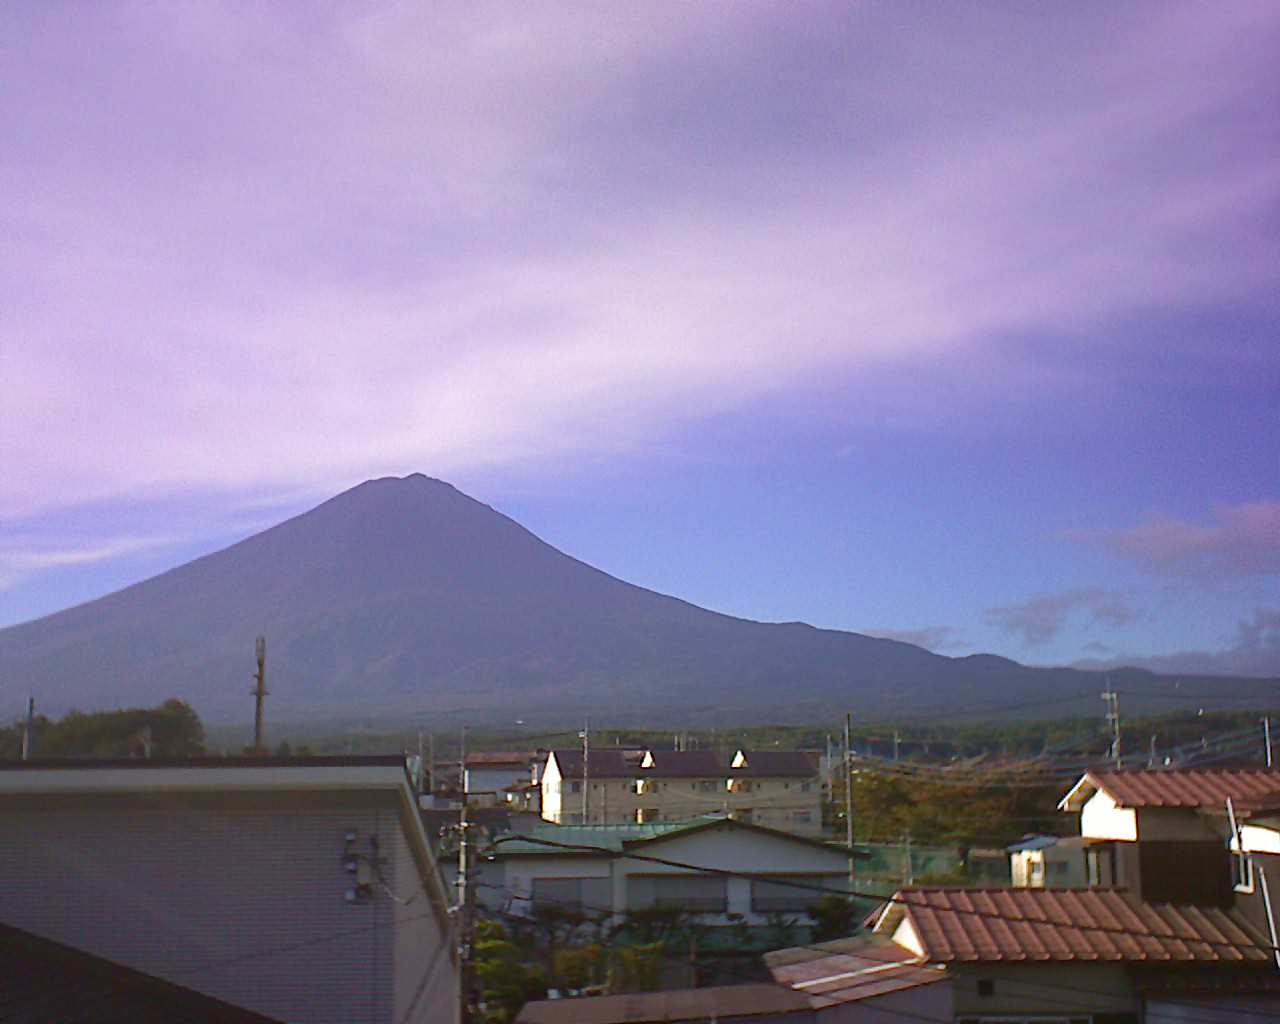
x=802 y=817
x=805 y=787
x=785 y=895
x=577 y=895
x=575 y=787
x=699 y=894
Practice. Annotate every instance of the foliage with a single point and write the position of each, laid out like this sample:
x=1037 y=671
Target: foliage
x=503 y=981
x=833 y=918
x=582 y=967
x=636 y=968
x=171 y=730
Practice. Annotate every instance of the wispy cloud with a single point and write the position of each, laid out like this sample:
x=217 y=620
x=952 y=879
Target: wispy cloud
x=1242 y=540
x=931 y=638
x=1041 y=618
x=19 y=559
x=265 y=249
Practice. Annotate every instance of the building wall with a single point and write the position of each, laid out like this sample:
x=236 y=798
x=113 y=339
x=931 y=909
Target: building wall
x=495 y=780
x=241 y=898
x=1045 y=990
x=922 y=1003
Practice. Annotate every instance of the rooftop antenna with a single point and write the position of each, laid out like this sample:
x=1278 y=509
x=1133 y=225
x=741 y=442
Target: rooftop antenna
x=259 y=692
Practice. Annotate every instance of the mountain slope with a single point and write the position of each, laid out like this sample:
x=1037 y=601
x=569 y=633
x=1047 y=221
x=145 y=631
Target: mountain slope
x=407 y=595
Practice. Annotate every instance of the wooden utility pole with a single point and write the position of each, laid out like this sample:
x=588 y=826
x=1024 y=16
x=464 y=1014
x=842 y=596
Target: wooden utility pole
x=259 y=692
x=464 y=917
x=848 y=791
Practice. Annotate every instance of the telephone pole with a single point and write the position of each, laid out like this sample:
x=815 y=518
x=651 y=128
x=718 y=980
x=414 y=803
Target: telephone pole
x=1113 y=721
x=28 y=729
x=848 y=791
x=259 y=692
x=586 y=770
x=464 y=917
x=1266 y=737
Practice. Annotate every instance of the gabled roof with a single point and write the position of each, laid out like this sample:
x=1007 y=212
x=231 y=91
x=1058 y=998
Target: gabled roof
x=682 y=764
x=796 y=764
x=1206 y=789
x=608 y=763
x=1003 y=925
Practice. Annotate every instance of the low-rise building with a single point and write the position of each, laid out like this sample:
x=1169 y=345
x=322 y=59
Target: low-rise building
x=301 y=889
x=776 y=788
x=1048 y=862
x=488 y=775
x=723 y=871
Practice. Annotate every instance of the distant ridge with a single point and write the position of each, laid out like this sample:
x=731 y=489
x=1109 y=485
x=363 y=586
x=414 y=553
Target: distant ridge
x=408 y=596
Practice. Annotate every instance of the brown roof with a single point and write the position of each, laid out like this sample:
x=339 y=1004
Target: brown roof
x=1068 y=924
x=777 y=763
x=1186 y=788
x=684 y=764
x=693 y=1004
x=850 y=970
x=500 y=759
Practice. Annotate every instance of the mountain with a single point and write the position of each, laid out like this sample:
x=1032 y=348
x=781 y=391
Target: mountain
x=405 y=596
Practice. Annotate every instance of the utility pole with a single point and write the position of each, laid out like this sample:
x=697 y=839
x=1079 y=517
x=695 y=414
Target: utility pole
x=28 y=729
x=462 y=767
x=896 y=739
x=259 y=691
x=431 y=753
x=1113 y=720
x=848 y=791
x=1266 y=737
x=464 y=917
x=422 y=769
x=586 y=770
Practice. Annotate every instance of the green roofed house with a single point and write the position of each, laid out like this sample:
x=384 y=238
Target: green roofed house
x=723 y=871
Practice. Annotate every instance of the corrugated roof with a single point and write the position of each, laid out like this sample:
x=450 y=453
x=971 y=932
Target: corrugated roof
x=851 y=969
x=607 y=837
x=776 y=763
x=1186 y=788
x=694 y=1004
x=1069 y=924
x=684 y=764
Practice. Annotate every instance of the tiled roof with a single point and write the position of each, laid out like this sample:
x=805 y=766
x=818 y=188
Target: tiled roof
x=776 y=763
x=1186 y=788
x=684 y=764
x=1068 y=924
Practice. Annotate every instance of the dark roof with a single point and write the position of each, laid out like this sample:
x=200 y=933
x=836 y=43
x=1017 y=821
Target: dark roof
x=692 y=1004
x=1185 y=788
x=984 y=925
x=684 y=764
x=89 y=763
x=797 y=764
x=42 y=981
x=609 y=763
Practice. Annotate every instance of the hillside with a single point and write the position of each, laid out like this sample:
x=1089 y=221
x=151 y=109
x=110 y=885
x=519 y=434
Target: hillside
x=407 y=596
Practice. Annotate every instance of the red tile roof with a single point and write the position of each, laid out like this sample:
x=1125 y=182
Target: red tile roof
x=850 y=970
x=1186 y=788
x=1068 y=924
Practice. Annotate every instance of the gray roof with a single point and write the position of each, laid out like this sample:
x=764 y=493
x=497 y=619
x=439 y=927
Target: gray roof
x=797 y=764
x=607 y=763
x=684 y=764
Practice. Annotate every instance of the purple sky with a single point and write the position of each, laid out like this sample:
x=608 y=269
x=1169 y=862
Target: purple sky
x=959 y=323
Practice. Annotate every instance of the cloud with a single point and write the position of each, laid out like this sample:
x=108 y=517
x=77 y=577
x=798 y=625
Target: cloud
x=931 y=638
x=1041 y=618
x=1242 y=540
x=19 y=559
x=262 y=250
x=1254 y=651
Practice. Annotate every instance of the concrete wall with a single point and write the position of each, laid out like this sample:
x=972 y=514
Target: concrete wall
x=241 y=898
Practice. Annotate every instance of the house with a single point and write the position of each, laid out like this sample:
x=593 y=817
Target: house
x=1048 y=862
x=1165 y=834
x=299 y=889
x=487 y=775
x=723 y=871
x=1100 y=954
x=776 y=788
